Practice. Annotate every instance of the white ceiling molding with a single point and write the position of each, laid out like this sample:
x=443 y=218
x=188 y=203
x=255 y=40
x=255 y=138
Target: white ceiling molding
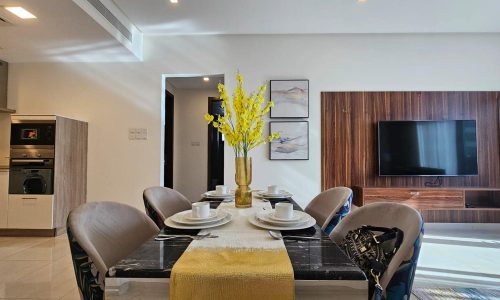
x=112 y=19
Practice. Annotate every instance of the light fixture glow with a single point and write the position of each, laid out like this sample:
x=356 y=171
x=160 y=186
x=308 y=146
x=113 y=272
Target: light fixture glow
x=174 y=1
x=206 y=79
x=20 y=12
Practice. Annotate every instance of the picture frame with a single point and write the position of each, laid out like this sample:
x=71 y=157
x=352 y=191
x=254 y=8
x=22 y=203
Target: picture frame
x=290 y=97
x=293 y=143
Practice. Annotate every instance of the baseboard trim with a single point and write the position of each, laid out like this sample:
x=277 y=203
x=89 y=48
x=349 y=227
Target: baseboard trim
x=29 y=232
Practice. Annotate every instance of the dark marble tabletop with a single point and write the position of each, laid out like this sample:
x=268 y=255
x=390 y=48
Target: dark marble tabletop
x=311 y=260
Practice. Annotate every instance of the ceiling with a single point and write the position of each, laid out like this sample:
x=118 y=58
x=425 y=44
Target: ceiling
x=312 y=16
x=65 y=32
x=61 y=32
x=196 y=82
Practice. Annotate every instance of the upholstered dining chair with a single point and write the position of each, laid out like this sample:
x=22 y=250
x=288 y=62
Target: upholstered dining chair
x=330 y=206
x=397 y=280
x=100 y=234
x=162 y=202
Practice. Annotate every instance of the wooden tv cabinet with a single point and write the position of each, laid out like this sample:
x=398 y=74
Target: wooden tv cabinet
x=439 y=205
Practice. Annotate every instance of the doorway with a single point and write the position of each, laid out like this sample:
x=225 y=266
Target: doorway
x=168 y=165
x=190 y=167
x=215 y=167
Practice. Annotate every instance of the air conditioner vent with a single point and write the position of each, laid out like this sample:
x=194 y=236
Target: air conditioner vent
x=112 y=19
x=4 y=22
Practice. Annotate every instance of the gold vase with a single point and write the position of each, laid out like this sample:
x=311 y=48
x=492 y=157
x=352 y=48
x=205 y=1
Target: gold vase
x=243 y=179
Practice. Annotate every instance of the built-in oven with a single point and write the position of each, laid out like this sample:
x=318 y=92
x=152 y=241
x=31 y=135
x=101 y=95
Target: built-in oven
x=32 y=145
x=31 y=176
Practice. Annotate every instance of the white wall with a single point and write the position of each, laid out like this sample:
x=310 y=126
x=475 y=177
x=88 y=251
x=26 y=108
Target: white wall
x=111 y=98
x=114 y=97
x=190 y=161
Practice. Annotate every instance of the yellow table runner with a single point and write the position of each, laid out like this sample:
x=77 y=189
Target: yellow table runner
x=244 y=262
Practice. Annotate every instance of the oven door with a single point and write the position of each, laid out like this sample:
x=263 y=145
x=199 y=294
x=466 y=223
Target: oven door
x=31 y=180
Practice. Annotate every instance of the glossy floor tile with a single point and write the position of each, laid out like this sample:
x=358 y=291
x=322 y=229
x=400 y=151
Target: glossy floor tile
x=462 y=256
x=452 y=256
x=36 y=268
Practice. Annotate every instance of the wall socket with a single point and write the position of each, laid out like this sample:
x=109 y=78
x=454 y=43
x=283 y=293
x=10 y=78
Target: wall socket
x=137 y=134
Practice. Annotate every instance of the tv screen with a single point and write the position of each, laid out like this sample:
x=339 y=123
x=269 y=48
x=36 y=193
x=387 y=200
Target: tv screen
x=427 y=148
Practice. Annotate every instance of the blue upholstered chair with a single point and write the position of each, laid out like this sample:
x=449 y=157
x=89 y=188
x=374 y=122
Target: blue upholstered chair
x=100 y=234
x=330 y=206
x=397 y=281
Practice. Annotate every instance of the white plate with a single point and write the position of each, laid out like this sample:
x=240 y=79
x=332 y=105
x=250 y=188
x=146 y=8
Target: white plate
x=188 y=215
x=185 y=218
x=253 y=220
x=172 y=224
x=282 y=194
x=263 y=216
x=213 y=194
x=297 y=215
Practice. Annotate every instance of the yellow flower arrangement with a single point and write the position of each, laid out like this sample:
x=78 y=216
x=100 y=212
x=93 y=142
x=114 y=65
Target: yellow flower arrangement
x=246 y=131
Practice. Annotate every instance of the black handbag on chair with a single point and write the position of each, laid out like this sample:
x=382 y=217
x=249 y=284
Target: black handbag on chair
x=372 y=249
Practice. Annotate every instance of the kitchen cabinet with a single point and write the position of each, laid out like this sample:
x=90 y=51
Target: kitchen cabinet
x=4 y=188
x=48 y=176
x=31 y=211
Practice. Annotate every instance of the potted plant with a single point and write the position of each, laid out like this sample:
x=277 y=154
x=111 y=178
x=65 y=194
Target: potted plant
x=243 y=128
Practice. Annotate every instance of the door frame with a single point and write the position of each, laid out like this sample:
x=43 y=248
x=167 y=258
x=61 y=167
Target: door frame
x=164 y=78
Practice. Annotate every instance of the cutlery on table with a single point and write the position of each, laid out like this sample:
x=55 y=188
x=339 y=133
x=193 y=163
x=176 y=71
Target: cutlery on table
x=219 y=201
x=278 y=236
x=165 y=237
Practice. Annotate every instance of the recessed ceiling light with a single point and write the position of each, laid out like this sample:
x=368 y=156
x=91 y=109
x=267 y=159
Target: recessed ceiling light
x=206 y=79
x=362 y=1
x=174 y=1
x=20 y=12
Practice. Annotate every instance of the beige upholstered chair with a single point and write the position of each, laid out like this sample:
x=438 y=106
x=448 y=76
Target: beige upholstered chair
x=398 y=278
x=330 y=206
x=162 y=202
x=101 y=234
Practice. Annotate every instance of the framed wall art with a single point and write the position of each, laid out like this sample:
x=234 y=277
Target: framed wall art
x=290 y=97
x=293 y=143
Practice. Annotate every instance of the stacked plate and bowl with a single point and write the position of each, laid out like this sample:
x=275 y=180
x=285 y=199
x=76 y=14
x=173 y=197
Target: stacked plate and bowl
x=283 y=217
x=199 y=217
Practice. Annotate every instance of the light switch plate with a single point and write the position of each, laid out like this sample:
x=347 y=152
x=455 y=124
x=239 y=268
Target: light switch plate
x=137 y=133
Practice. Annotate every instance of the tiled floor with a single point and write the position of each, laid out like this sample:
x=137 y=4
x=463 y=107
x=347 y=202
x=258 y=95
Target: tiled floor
x=34 y=268
x=460 y=255
x=466 y=256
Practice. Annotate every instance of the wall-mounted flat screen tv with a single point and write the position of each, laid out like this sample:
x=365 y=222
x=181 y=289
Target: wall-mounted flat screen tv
x=427 y=148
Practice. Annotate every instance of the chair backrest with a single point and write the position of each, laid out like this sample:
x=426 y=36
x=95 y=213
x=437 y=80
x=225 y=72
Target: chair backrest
x=325 y=206
x=162 y=202
x=384 y=214
x=109 y=231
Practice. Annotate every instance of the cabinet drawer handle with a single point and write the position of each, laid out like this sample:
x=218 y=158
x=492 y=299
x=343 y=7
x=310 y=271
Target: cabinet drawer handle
x=29 y=201
x=414 y=193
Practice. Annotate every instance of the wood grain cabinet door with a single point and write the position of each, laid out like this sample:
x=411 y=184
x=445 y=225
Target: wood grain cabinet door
x=417 y=198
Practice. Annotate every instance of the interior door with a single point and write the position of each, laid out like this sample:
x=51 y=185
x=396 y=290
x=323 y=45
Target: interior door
x=169 y=141
x=215 y=174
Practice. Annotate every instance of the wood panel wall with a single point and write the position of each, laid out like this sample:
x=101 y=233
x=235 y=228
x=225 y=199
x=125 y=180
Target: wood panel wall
x=349 y=134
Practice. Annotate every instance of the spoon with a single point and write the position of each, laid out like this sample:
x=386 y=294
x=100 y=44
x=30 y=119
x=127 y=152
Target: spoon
x=277 y=235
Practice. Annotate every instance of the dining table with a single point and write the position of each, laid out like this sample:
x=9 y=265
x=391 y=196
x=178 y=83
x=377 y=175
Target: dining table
x=321 y=270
